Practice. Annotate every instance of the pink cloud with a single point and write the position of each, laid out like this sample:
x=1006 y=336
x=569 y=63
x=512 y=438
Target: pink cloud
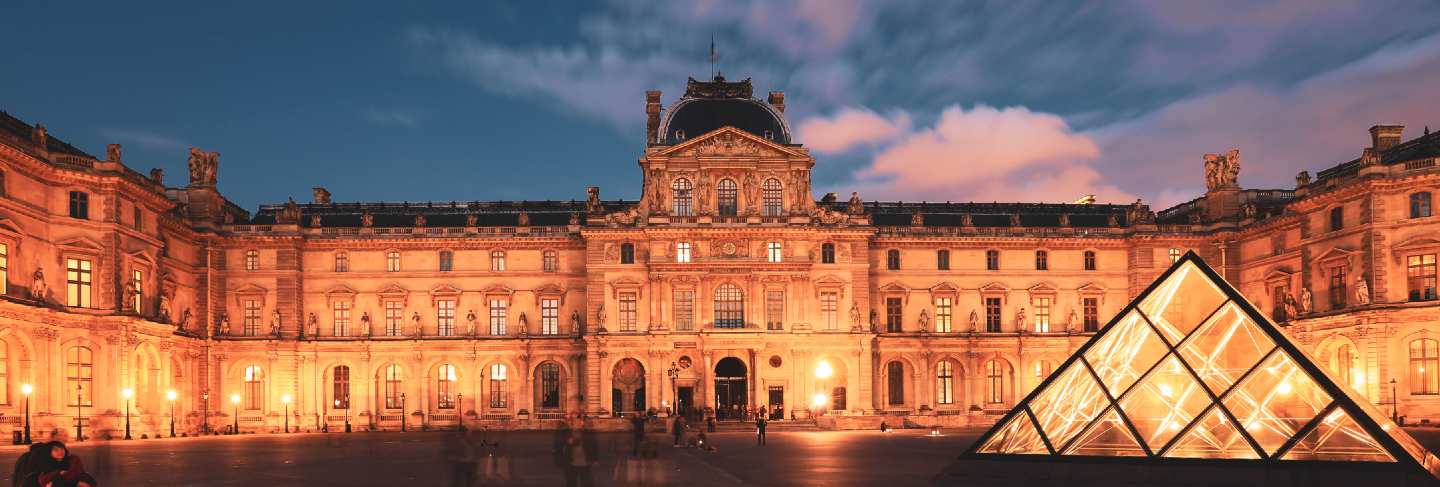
x=850 y=127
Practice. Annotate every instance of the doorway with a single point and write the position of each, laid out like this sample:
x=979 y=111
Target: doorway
x=730 y=389
x=776 y=402
x=685 y=402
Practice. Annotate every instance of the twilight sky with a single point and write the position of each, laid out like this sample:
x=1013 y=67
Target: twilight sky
x=912 y=100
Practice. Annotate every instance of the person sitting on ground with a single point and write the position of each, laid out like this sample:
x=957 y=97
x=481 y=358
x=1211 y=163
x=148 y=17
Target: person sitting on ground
x=884 y=427
x=69 y=471
x=31 y=463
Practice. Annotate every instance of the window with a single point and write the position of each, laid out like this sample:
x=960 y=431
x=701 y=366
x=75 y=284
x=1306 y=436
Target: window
x=447 y=260
x=445 y=317
x=837 y=398
x=254 y=392
x=549 y=316
x=394 y=387
x=775 y=309
x=4 y=267
x=549 y=385
x=729 y=307
x=137 y=218
x=1277 y=308
x=1420 y=204
x=895 y=383
x=137 y=282
x=774 y=251
x=1042 y=370
x=340 y=316
x=682 y=252
x=445 y=379
x=499 y=389
x=829 y=305
x=627 y=253
x=684 y=309
x=992 y=260
x=894 y=315
x=1042 y=314
x=942 y=260
x=680 y=198
x=499 y=315
x=550 y=261
x=1174 y=255
x=79 y=205
x=77 y=282
x=340 y=387
x=251 y=318
x=1419 y=276
x=342 y=261
x=726 y=195
x=992 y=315
x=627 y=311
x=827 y=253
x=1089 y=260
x=79 y=376
x=995 y=382
x=1337 y=218
x=1091 y=313
x=497 y=260
x=770 y=193
x=892 y=259
x=1343 y=365
x=1337 y=287
x=945 y=382
x=252 y=260
x=394 y=316
x=392 y=261
x=942 y=315
x=1424 y=366
x=1042 y=260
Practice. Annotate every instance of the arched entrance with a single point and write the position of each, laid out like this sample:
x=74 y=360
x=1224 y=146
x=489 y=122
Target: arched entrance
x=731 y=388
x=627 y=392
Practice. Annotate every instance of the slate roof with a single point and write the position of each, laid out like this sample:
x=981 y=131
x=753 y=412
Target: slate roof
x=709 y=105
x=14 y=127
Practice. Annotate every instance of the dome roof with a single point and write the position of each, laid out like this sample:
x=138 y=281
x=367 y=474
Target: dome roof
x=707 y=106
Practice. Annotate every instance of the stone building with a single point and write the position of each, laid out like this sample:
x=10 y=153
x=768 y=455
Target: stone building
x=725 y=285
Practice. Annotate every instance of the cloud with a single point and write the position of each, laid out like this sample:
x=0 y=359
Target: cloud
x=391 y=117
x=147 y=140
x=850 y=127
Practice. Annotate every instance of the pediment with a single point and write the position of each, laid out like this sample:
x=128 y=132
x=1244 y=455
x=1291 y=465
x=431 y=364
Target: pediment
x=626 y=282
x=1334 y=254
x=80 y=244
x=729 y=142
x=10 y=228
x=894 y=287
x=945 y=287
x=994 y=287
x=1420 y=242
x=393 y=290
x=445 y=289
x=829 y=281
x=498 y=289
x=340 y=290
x=1278 y=274
x=142 y=256
x=550 y=289
x=251 y=288
x=1042 y=288
x=1090 y=288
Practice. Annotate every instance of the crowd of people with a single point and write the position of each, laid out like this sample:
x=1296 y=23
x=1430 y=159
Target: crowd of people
x=50 y=464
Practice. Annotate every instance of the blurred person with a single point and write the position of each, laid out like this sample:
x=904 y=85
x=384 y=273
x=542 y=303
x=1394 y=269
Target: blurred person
x=577 y=452
x=637 y=433
x=67 y=469
x=460 y=452
x=760 y=423
x=678 y=429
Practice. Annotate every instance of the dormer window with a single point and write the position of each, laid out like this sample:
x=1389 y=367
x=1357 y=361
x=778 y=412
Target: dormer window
x=679 y=135
x=769 y=135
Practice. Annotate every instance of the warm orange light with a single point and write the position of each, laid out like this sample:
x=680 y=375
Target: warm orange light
x=285 y=399
x=1283 y=388
x=823 y=370
x=1166 y=391
x=128 y=393
x=26 y=389
x=171 y=395
x=819 y=400
x=235 y=398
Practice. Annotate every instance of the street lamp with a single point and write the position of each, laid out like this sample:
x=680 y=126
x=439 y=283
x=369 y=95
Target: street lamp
x=460 y=399
x=347 y=412
x=286 y=399
x=79 y=412
x=674 y=373
x=128 y=393
x=1394 y=403
x=235 y=428
x=170 y=395
x=402 y=412
x=26 y=389
x=205 y=411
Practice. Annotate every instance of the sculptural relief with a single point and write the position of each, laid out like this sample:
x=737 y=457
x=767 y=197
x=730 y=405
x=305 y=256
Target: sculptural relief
x=592 y=200
x=1222 y=170
x=367 y=220
x=1307 y=300
x=112 y=153
x=1362 y=291
x=203 y=167
x=39 y=291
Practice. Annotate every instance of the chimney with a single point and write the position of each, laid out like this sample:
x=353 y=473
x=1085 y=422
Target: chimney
x=777 y=100
x=652 y=116
x=1383 y=137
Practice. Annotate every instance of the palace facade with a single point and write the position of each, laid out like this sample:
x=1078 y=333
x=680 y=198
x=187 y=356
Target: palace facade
x=725 y=285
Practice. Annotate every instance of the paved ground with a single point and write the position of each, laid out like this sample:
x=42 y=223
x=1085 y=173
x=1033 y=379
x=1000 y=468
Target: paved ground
x=855 y=458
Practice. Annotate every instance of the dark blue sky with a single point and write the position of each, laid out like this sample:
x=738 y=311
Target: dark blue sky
x=529 y=100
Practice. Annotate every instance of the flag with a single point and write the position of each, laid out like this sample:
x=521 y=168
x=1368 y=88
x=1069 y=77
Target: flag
x=714 y=56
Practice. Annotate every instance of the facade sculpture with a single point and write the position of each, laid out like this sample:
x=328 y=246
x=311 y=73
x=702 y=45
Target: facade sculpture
x=1222 y=170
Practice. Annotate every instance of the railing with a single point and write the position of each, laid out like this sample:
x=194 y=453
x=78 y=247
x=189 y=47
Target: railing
x=1420 y=164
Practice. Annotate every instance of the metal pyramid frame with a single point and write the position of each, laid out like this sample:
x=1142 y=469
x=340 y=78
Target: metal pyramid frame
x=1191 y=371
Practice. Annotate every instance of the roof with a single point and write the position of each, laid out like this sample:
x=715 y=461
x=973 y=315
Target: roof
x=990 y=214
x=20 y=130
x=709 y=105
x=1422 y=147
x=437 y=214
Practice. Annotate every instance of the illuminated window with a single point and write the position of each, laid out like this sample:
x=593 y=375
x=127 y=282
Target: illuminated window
x=774 y=251
x=895 y=383
x=445 y=378
x=1174 y=255
x=549 y=385
x=394 y=387
x=4 y=267
x=775 y=309
x=1343 y=365
x=627 y=253
x=341 y=318
x=682 y=252
x=626 y=307
x=1042 y=370
x=79 y=205
x=447 y=260
x=829 y=308
x=499 y=387
x=254 y=392
x=497 y=260
x=1424 y=366
x=681 y=198
x=1089 y=260
x=1042 y=315
x=942 y=315
x=392 y=261
x=771 y=194
x=892 y=259
x=79 y=376
x=340 y=387
x=549 y=316
x=1419 y=276
x=550 y=261
x=827 y=253
x=726 y=197
x=342 y=261
x=1042 y=260
x=394 y=317
x=945 y=382
x=251 y=318
x=445 y=317
x=1420 y=204
x=942 y=260
x=995 y=381
x=499 y=316
x=729 y=307
x=992 y=260
x=252 y=260
x=137 y=282
x=684 y=309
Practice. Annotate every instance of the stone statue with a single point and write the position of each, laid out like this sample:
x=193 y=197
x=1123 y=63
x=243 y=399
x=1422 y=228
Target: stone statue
x=184 y=319
x=367 y=220
x=523 y=219
x=702 y=195
x=420 y=221
x=313 y=329
x=1362 y=291
x=473 y=220
x=130 y=292
x=202 y=167
x=574 y=219
x=1064 y=219
x=1139 y=213
x=855 y=206
x=419 y=331
x=600 y=318
x=1112 y=221
x=275 y=323
x=855 y=317
x=917 y=219
x=752 y=193
x=290 y=213
x=1073 y=323
x=38 y=290
x=1307 y=300
x=628 y=216
x=1302 y=179
x=470 y=323
x=1020 y=319
x=38 y=136
x=974 y=321
x=112 y=153
x=524 y=321
x=1290 y=309
x=164 y=310
x=592 y=200
x=158 y=175
x=1222 y=170
x=966 y=220
x=1015 y=220
x=322 y=195
x=800 y=182
x=575 y=321
x=656 y=191
x=1212 y=172
x=365 y=323
x=224 y=325
x=924 y=320
x=874 y=321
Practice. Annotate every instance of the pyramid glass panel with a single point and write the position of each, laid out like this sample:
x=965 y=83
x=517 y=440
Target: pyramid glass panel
x=1182 y=302
x=1226 y=346
x=1337 y=437
x=1125 y=351
x=1213 y=436
x=1107 y=437
x=1275 y=401
x=1166 y=400
x=1018 y=437
x=1068 y=403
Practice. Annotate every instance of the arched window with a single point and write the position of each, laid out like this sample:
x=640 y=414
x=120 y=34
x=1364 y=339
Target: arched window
x=445 y=379
x=4 y=372
x=1424 y=366
x=771 y=191
x=837 y=398
x=551 y=261
x=1042 y=260
x=497 y=260
x=447 y=260
x=1089 y=260
x=392 y=261
x=340 y=387
x=942 y=260
x=549 y=385
x=729 y=307
x=945 y=383
x=1042 y=370
x=79 y=376
x=499 y=390
x=992 y=260
x=1342 y=364
x=680 y=197
x=627 y=253
x=726 y=197
x=252 y=260
x=1420 y=204
x=342 y=261
x=254 y=391
x=892 y=259
x=394 y=384
x=895 y=383
x=996 y=381
x=827 y=253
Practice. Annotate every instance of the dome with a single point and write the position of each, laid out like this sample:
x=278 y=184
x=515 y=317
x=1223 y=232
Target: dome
x=707 y=106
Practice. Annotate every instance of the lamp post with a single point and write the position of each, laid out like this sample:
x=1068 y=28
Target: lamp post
x=79 y=412
x=674 y=373
x=347 y=412
x=460 y=403
x=286 y=399
x=170 y=395
x=235 y=427
x=402 y=412
x=128 y=393
x=205 y=411
x=26 y=390
x=1394 y=403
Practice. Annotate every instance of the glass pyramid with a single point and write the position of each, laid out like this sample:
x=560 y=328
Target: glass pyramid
x=1191 y=370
